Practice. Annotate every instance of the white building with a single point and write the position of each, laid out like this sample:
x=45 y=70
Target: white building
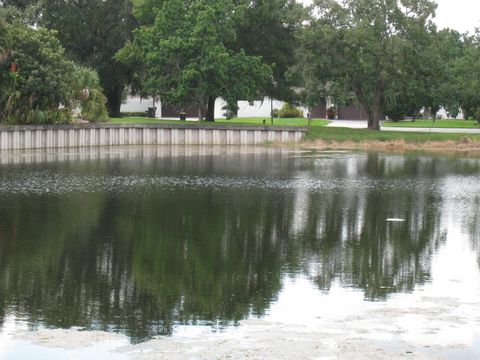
x=246 y=109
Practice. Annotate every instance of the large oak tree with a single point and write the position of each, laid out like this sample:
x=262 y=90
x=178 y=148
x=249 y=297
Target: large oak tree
x=366 y=48
x=188 y=55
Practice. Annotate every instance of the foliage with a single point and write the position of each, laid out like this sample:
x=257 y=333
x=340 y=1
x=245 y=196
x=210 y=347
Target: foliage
x=231 y=110
x=38 y=75
x=467 y=78
x=265 y=29
x=365 y=48
x=88 y=95
x=268 y=30
x=187 y=57
x=92 y=32
x=288 y=110
x=37 y=78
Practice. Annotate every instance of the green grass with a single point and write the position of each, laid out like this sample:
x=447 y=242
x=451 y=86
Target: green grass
x=426 y=123
x=239 y=121
x=276 y=122
x=330 y=134
x=140 y=120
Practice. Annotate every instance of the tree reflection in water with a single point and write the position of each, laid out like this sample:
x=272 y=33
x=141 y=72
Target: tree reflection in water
x=140 y=259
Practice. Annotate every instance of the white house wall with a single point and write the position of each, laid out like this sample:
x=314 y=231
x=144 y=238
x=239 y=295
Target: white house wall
x=246 y=109
x=255 y=109
x=137 y=104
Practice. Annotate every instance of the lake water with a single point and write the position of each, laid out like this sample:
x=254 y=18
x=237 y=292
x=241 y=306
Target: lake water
x=188 y=241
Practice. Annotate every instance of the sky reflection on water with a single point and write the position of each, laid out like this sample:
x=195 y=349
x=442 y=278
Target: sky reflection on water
x=182 y=240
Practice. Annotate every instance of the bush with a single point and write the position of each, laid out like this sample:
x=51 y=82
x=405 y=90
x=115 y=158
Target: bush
x=39 y=117
x=231 y=110
x=331 y=113
x=39 y=85
x=37 y=75
x=289 y=111
x=87 y=94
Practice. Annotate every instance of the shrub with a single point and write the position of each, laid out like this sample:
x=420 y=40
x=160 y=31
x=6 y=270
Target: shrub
x=87 y=94
x=290 y=111
x=331 y=113
x=231 y=110
x=38 y=84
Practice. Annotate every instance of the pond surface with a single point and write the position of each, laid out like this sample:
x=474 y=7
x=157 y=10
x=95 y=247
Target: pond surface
x=177 y=240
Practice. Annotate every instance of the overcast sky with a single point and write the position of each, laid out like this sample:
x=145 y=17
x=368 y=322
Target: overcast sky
x=461 y=15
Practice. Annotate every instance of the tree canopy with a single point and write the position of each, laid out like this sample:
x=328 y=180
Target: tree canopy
x=92 y=32
x=386 y=55
x=188 y=58
x=366 y=49
x=37 y=80
x=466 y=78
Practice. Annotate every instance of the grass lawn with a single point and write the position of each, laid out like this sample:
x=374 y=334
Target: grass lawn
x=427 y=123
x=331 y=134
x=238 y=121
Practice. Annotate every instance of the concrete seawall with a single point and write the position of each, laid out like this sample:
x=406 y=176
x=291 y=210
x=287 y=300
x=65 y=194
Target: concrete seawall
x=70 y=136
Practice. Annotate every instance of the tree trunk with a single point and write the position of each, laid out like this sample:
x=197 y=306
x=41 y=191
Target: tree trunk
x=372 y=111
x=374 y=117
x=210 y=115
x=434 y=110
x=114 y=100
x=376 y=106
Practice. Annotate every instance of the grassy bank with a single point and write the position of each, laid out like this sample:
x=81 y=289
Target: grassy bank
x=238 y=121
x=425 y=123
x=331 y=137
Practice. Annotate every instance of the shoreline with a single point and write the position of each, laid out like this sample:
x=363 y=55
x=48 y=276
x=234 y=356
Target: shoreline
x=464 y=145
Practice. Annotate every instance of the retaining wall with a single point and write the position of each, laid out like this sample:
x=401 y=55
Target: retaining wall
x=69 y=136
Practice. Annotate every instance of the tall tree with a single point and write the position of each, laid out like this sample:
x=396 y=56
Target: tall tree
x=436 y=71
x=268 y=30
x=188 y=55
x=92 y=31
x=367 y=48
x=36 y=78
x=466 y=82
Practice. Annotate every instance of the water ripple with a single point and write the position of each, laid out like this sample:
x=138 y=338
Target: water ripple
x=38 y=182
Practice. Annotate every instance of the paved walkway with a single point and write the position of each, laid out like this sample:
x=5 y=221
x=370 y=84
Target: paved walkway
x=353 y=124
x=362 y=124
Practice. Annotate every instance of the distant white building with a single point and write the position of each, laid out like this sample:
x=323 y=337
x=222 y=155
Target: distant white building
x=137 y=104
x=246 y=109
x=442 y=114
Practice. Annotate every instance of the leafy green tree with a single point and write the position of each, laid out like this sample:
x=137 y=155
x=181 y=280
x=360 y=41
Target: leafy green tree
x=366 y=48
x=92 y=32
x=467 y=78
x=436 y=71
x=188 y=55
x=268 y=30
x=20 y=4
x=37 y=78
